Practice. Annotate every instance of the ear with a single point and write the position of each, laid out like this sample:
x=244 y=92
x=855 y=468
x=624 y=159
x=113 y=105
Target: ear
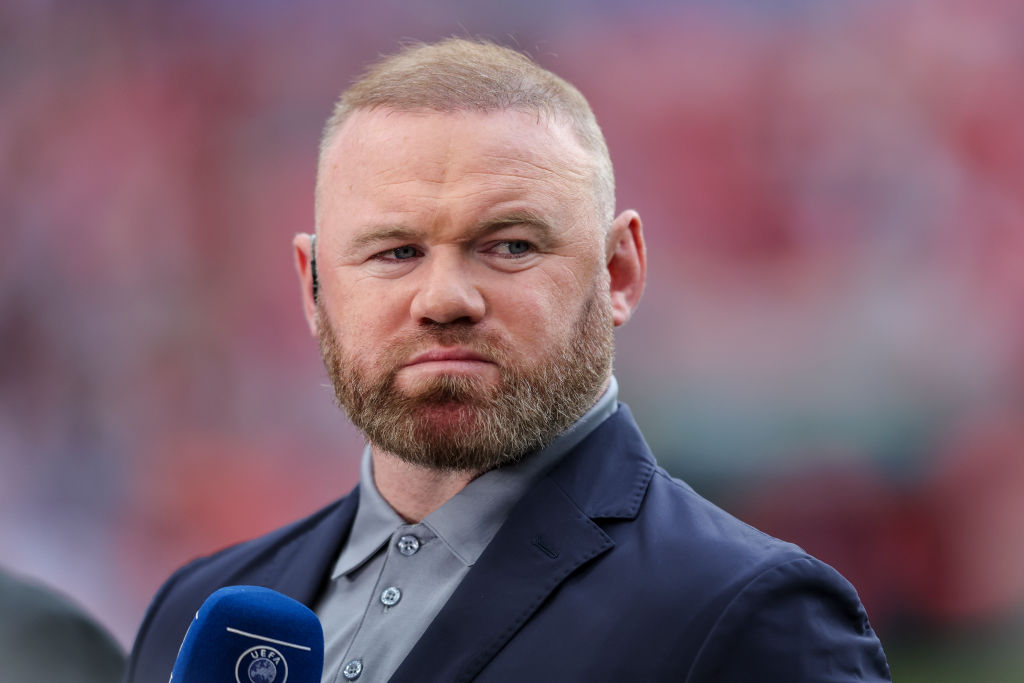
x=302 y=244
x=626 y=255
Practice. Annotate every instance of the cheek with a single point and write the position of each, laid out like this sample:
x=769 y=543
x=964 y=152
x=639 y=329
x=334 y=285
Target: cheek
x=536 y=317
x=357 y=337
x=366 y=313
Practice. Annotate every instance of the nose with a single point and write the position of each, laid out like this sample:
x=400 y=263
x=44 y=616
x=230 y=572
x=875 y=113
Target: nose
x=447 y=293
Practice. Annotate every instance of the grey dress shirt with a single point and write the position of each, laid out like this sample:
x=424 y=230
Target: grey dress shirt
x=392 y=578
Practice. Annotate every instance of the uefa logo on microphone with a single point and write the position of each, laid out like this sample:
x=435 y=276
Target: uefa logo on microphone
x=261 y=664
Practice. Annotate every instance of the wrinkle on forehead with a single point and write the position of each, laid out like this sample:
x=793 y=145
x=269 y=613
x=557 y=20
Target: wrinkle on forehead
x=432 y=158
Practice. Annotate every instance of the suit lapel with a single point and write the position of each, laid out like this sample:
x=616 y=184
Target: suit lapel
x=543 y=542
x=547 y=537
x=300 y=568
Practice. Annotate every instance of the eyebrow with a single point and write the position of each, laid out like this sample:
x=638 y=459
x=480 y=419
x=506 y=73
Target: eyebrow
x=541 y=226
x=388 y=233
x=385 y=233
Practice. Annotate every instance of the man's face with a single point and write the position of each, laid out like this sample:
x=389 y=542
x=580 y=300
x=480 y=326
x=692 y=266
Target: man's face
x=464 y=313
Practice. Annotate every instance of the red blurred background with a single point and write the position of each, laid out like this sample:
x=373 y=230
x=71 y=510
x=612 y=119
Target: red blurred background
x=831 y=344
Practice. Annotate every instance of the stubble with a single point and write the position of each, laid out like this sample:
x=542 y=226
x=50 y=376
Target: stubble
x=458 y=422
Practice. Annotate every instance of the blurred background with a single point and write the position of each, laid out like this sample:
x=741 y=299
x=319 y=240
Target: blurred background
x=831 y=344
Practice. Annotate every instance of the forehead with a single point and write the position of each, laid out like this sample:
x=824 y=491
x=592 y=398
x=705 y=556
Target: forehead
x=395 y=160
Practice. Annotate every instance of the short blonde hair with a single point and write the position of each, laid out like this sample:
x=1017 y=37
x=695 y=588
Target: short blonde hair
x=469 y=75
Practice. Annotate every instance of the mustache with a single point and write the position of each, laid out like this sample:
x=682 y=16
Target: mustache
x=452 y=334
x=465 y=335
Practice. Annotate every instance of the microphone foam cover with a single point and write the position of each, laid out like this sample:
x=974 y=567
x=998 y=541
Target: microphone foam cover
x=249 y=634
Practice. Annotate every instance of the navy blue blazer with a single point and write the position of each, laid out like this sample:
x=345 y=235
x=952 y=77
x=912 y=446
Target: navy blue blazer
x=608 y=569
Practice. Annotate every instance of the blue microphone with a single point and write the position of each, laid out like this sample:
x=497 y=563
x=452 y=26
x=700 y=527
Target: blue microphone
x=248 y=634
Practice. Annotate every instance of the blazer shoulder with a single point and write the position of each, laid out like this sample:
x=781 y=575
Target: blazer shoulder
x=761 y=604
x=613 y=478
x=209 y=572
x=721 y=553
x=256 y=561
x=673 y=501
x=795 y=621
x=255 y=550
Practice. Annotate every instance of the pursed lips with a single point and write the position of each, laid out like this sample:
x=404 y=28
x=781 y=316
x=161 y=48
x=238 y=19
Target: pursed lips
x=447 y=355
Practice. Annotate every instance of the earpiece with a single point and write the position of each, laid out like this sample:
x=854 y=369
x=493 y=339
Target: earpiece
x=312 y=265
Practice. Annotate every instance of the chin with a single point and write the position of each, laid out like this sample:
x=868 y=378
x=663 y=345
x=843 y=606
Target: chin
x=448 y=382
x=448 y=392
x=449 y=418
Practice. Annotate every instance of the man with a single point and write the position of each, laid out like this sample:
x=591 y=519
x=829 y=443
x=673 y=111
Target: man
x=510 y=522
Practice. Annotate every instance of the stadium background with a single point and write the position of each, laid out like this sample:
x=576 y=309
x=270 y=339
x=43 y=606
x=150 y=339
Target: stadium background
x=831 y=344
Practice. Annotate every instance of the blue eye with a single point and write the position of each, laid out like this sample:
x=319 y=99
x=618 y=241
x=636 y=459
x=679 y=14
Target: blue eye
x=511 y=249
x=518 y=247
x=404 y=252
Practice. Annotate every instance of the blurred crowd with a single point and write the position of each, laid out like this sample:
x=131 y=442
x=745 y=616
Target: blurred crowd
x=831 y=345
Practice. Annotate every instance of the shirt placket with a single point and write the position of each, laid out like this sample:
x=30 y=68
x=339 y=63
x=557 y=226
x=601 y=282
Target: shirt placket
x=404 y=556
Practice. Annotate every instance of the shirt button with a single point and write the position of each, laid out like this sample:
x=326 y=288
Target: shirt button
x=390 y=596
x=353 y=669
x=408 y=545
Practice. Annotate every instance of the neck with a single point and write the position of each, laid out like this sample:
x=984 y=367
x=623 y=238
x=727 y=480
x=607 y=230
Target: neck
x=415 y=491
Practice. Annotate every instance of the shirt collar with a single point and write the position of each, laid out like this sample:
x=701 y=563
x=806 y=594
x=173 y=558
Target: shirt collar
x=374 y=523
x=468 y=521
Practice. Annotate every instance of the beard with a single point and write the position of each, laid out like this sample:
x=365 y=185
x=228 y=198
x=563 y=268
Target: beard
x=459 y=422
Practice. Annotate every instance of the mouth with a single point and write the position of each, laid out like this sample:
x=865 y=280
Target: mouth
x=447 y=355
x=448 y=360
